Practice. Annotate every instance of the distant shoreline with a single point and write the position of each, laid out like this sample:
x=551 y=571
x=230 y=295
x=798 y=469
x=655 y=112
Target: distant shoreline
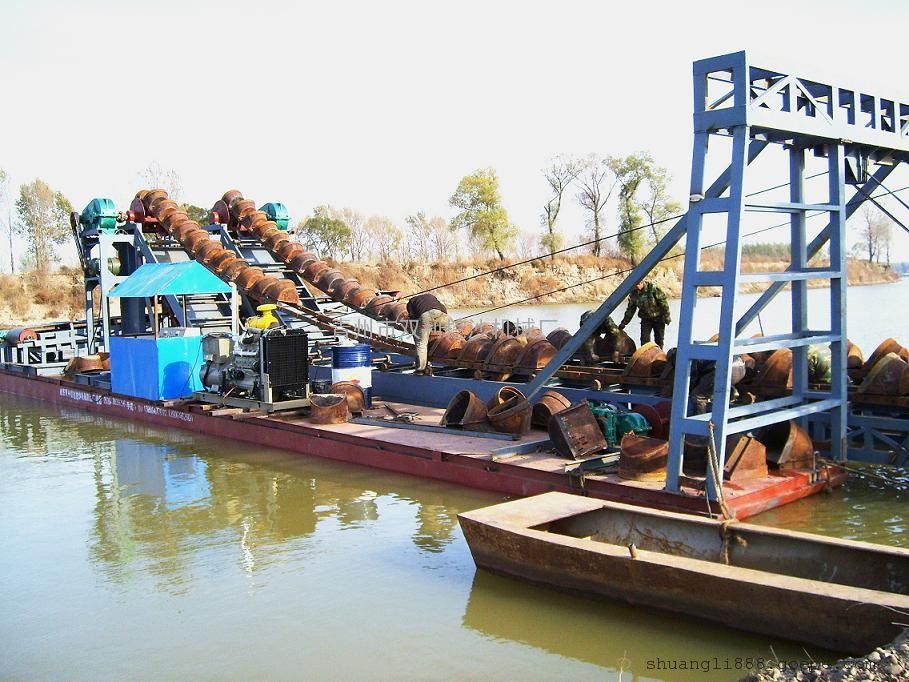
x=28 y=299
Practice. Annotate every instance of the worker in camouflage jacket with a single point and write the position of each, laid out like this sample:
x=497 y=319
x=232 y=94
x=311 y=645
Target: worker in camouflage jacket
x=653 y=309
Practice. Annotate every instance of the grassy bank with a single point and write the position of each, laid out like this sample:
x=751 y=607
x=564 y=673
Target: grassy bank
x=32 y=297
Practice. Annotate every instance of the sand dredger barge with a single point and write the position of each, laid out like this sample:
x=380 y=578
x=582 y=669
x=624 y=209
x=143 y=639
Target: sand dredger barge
x=632 y=428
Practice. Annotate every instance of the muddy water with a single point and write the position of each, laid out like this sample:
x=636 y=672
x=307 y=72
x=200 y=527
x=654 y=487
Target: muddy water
x=138 y=552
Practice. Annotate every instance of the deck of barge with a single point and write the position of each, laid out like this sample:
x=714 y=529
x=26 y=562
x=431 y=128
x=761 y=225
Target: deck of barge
x=512 y=467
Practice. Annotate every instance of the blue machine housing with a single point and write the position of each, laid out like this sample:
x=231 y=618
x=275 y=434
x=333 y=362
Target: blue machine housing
x=277 y=213
x=155 y=369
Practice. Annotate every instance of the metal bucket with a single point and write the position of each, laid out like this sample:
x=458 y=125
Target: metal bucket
x=466 y=411
x=330 y=408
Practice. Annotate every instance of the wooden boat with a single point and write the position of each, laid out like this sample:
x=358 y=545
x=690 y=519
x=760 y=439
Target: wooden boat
x=836 y=594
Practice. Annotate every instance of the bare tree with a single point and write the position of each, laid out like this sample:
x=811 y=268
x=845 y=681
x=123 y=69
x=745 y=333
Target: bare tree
x=360 y=239
x=530 y=244
x=444 y=243
x=876 y=234
x=597 y=180
x=419 y=236
x=559 y=174
x=156 y=177
x=386 y=237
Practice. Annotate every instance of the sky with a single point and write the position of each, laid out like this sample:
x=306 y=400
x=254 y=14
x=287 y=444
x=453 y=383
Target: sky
x=384 y=106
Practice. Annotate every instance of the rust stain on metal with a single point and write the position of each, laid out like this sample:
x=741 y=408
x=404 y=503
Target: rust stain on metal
x=575 y=433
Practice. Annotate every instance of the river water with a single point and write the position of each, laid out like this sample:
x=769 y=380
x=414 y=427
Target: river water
x=874 y=312
x=132 y=551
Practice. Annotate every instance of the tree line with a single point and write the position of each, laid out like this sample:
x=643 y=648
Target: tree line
x=481 y=226
x=635 y=185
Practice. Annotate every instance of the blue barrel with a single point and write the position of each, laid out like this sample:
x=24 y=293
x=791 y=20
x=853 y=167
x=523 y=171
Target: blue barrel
x=354 y=364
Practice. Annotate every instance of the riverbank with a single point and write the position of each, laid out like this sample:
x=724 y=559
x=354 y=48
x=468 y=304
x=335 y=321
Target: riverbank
x=33 y=298
x=579 y=279
x=889 y=662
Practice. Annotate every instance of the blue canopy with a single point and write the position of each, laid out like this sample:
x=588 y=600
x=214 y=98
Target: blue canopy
x=170 y=279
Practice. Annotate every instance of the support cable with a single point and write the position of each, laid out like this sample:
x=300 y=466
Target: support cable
x=524 y=262
x=565 y=250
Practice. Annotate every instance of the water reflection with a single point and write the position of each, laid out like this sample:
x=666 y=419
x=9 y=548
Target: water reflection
x=163 y=497
x=630 y=642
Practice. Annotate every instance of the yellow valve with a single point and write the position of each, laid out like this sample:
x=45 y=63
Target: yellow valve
x=266 y=320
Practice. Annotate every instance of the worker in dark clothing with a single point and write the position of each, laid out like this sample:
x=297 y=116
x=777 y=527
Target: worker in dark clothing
x=653 y=309
x=431 y=315
x=608 y=330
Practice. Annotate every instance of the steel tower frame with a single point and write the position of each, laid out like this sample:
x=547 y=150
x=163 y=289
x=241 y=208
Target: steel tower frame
x=853 y=130
x=863 y=137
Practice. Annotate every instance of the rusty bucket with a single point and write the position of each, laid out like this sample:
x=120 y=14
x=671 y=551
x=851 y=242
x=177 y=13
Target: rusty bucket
x=166 y=208
x=465 y=411
x=776 y=372
x=252 y=218
x=788 y=445
x=888 y=376
x=476 y=349
x=502 y=396
x=328 y=408
x=360 y=297
x=208 y=250
x=502 y=357
x=356 y=399
x=464 y=327
x=887 y=346
x=396 y=312
x=512 y=416
x=195 y=239
x=643 y=458
x=182 y=228
x=230 y=195
x=559 y=337
x=746 y=458
x=448 y=346
x=265 y=229
x=537 y=354
x=377 y=306
x=300 y=262
x=274 y=242
x=282 y=290
x=314 y=270
x=575 y=433
x=233 y=269
x=550 y=403
x=99 y=362
x=240 y=207
x=258 y=289
x=647 y=361
x=289 y=251
x=341 y=291
x=248 y=278
x=219 y=261
x=330 y=279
